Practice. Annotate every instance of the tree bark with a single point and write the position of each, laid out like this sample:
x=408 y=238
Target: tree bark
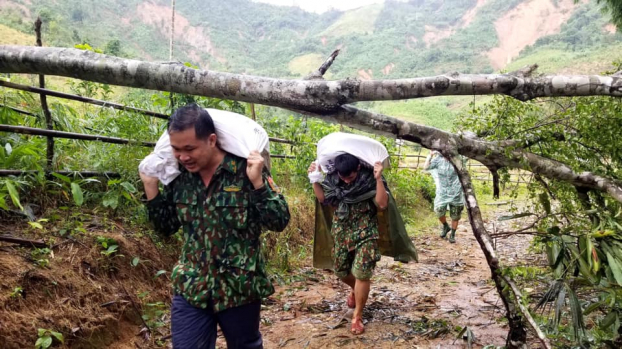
x=517 y=336
x=311 y=95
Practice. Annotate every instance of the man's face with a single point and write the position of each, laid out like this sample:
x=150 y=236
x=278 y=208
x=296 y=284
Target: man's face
x=349 y=178
x=193 y=153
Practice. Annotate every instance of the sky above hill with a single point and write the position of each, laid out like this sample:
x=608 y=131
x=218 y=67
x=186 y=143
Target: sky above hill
x=320 y=6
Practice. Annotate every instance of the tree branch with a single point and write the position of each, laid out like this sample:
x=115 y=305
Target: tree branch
x=326 y=99
x=517 y=337
x=491 y=154
x=312 y=95
x=318 y=74
x=525 y=72
x=517 y=296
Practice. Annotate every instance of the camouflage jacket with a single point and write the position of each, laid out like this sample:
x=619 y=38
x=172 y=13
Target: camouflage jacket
x=220 y=258
x=358 y=226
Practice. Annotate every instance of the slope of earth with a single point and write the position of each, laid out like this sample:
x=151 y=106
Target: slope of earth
x=516 y=29
x=96 y=295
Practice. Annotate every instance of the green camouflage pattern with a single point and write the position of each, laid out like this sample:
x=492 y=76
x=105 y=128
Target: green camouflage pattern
x=455 y=211
x=221 y=224
x=355 y=248
x=359 y=262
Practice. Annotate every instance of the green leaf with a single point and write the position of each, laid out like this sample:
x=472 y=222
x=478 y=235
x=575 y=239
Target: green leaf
x=135 y=261
x=591 y=308
x=13 y=194
x=577 y=315
x=129 y=187
x=44 y=342
x=583 y=265
x=36 y=225
x=160 y=272
x=62 y=178
x=111 y=201
x=609 y=320
x=78 y=196
x=58 y=336
x=616 y=269
x=41 y=332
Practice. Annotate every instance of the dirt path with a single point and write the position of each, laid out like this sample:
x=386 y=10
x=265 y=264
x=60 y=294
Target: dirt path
x=415 y=305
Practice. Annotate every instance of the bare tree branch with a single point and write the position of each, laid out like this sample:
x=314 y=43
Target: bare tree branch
x=517 y=336
x=318 y=74
x=525 y=72
x=311 y=95
x=534 y=325
x=325 y=99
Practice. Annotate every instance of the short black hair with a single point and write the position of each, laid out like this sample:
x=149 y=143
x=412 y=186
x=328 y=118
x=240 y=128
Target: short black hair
x=192 y=115
x=345 y=164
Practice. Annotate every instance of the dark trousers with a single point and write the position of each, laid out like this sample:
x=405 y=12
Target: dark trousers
x=195 y=328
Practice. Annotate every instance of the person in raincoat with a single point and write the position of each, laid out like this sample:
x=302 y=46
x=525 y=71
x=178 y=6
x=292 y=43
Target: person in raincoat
x=449 y=195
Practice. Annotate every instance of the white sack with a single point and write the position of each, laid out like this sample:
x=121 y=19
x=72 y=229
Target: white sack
x=236 y=133
x=161 y=163
x=364 y=148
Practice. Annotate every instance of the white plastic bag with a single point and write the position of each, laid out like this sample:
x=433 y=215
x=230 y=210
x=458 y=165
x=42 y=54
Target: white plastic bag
x=236 y=133
x=364 y=148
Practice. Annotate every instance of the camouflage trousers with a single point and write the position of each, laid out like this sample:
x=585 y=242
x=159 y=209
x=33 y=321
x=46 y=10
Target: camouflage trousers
x=359 y=262
x=455 y=212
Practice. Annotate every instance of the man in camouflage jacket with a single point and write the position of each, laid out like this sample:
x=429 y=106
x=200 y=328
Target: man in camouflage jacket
x=357 y=194
x=221 y=201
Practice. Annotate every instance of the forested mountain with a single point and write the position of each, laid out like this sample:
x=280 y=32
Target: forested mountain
x=394 y=39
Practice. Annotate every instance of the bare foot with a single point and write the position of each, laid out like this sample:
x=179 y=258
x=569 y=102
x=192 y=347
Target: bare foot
x=357 y=326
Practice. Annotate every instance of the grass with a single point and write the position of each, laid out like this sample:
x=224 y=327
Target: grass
x=359 y=21
x=303 y=65
x=439 y=112
x=10 y=36
x=562 y=61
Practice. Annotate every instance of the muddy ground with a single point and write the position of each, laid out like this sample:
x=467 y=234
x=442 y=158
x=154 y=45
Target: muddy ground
x=414 y=305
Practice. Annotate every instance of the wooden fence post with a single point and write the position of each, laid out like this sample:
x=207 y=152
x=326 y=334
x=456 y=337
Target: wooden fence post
x=44 y=104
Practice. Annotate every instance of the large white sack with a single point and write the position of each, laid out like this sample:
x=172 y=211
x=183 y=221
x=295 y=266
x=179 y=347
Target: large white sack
x=364 y=148
x=236 y=133
x=161 y=163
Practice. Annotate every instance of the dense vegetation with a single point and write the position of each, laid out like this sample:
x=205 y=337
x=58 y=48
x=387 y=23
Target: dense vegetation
x=579 y=230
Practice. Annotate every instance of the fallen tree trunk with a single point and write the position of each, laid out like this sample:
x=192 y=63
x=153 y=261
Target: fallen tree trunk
x=326 y=98
x=312 y=95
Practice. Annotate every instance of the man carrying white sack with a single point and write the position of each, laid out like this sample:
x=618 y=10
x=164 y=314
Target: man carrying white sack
x=357 y=193
x=448 y=193
x=221 y=201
